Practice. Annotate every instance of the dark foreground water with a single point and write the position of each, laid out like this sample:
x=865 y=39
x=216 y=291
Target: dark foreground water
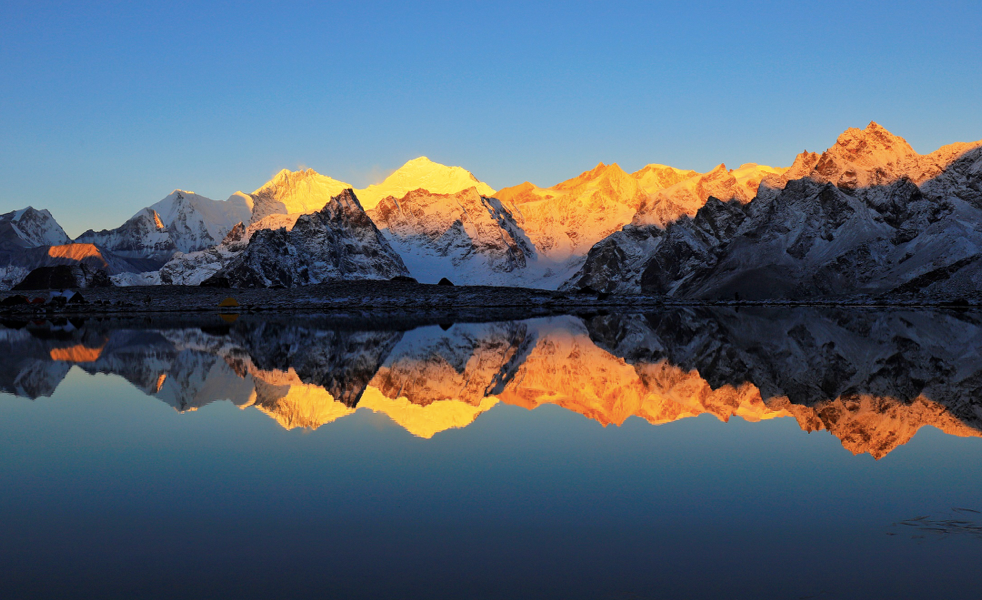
x=684 y=454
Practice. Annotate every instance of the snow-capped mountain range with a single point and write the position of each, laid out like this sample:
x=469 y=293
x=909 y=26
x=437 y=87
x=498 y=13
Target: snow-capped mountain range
x=867 y=217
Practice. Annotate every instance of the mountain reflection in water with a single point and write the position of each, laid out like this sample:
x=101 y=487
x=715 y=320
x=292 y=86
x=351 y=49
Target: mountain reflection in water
x=870 y=377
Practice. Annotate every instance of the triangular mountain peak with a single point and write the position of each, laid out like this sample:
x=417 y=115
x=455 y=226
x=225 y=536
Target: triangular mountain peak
x=873 y=145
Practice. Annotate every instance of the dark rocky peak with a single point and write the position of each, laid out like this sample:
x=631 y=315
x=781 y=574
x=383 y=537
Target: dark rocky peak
x=719 y=218
x=344 y=208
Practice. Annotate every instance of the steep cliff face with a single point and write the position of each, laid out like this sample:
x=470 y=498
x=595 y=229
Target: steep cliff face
x=617 y=263
x=143 y=236
x=339 y=242
x=871 y=157
x=195 y=267
x=466 y=237
x=590 y=230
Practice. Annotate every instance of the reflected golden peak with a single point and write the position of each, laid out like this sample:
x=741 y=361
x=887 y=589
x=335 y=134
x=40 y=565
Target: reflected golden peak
x=298 y=405
x=425 y=421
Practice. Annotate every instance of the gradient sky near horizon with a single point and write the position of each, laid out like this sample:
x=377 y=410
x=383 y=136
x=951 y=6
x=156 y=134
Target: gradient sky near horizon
x=105 y=107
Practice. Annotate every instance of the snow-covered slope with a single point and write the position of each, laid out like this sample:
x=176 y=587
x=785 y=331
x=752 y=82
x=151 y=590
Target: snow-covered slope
x=181 y=222
x=465 y=237
x=339 y=242
x=195 y=222
x=144 y=235
x=30 y=228
x=195 y=267
x=654 y=177
x=422 y=174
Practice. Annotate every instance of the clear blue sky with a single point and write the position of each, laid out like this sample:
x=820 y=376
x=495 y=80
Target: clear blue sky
x=106 y=107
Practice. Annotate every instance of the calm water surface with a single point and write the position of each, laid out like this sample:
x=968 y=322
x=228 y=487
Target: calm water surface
x=683 y=454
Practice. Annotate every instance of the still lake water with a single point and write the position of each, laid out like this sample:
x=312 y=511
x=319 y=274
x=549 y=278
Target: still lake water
x=691 y=453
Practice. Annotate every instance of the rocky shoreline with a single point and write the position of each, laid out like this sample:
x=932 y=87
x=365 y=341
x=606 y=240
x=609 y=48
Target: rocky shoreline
x=379 y=299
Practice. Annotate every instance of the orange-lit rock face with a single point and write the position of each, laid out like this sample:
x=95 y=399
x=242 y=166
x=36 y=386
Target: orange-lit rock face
x=868 y=157
x=570 y=217
x=688 y=195
x=443 y=383
x=76 y=252
x=569 y=370
x=77 y=354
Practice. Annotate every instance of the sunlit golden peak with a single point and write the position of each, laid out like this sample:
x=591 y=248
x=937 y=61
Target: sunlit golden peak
x=295 y=192
x=422 y=173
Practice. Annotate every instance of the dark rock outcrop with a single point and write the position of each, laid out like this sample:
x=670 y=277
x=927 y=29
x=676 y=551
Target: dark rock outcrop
x=339 y=242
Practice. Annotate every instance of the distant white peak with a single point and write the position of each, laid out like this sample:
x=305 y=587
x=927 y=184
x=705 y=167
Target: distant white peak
x=243 y=197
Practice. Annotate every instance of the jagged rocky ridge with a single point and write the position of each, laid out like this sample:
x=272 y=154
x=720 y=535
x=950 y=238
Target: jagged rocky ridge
x=871 y=378
x=869 y=218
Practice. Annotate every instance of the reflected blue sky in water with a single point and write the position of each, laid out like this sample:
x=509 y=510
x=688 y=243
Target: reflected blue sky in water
x=108 y=491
